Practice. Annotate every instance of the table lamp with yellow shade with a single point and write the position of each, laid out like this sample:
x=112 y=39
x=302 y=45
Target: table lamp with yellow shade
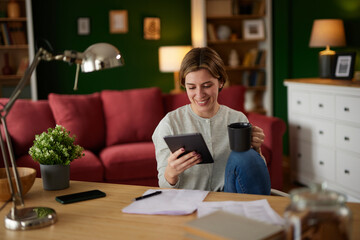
x=326 y=33
x=170 y=58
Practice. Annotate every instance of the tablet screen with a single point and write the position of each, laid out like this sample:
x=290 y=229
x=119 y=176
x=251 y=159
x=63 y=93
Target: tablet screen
x=190 y=142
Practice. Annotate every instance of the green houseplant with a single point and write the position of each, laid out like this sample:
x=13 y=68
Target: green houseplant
x=55 y=150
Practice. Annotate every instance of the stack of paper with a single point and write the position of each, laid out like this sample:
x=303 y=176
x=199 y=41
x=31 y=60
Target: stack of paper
x=224 y=225
x=169 y=202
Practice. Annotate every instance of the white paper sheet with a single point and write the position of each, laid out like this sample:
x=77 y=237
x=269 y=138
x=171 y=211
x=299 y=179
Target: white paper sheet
x=258 y=210
x=169 y=202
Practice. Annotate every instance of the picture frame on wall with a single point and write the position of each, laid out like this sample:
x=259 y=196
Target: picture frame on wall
x=83 y=24
x=253 y=29
x=118 y=20
x=152 y=28
x=344 y=65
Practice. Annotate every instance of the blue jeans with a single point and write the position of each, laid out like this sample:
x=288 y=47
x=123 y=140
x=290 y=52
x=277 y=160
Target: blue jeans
x=246 y=172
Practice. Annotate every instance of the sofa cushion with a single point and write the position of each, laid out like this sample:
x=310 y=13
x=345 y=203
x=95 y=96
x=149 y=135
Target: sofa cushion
x=26 y=119
x=131 y=115
x=83 y=116
x=233 y=97
x=174 y=101
x=87 y=168
x=129 y=161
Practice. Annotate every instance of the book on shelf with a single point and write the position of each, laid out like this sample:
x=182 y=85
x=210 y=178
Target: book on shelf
x=5 y=34
x=258 y=7
x=253 y=78
x=23 y=65
x=17 y=33
x=254 y=57
x=224 y=225
x=211 y=32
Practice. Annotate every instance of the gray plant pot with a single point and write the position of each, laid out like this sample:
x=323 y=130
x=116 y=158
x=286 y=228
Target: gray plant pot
x=55 y=177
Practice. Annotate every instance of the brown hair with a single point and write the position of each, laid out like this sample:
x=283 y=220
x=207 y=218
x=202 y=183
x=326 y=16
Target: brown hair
x=203 y=58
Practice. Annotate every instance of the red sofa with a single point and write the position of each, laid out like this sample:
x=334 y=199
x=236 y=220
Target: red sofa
x=115 y=129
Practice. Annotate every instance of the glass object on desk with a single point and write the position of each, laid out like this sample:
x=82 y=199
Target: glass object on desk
x=317 y=213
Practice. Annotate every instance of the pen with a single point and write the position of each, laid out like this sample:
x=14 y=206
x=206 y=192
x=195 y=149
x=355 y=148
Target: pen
x=147 y=195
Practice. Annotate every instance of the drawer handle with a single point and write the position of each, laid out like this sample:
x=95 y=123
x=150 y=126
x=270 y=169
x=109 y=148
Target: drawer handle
x=321 y=163
x=298 y=102
x=347 y=171
x=299 y=155
x=298 y=127
x=346 y=109
x=321 y=132
x=346 y=138
x=321 y=105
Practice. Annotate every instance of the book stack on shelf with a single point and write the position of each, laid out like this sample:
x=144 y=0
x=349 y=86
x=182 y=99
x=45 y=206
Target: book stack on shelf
x=254 y=57
x=13 y=33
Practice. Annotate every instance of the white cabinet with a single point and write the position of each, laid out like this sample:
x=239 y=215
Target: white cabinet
x=324 y=126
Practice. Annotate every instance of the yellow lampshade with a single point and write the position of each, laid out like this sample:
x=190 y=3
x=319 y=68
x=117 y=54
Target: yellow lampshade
x=170 y=57
x=327 y=32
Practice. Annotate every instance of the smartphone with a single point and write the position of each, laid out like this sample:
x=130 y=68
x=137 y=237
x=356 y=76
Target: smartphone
x=81 y=196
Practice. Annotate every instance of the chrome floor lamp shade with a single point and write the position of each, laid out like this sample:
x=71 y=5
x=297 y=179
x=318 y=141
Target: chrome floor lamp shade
x=97 y=57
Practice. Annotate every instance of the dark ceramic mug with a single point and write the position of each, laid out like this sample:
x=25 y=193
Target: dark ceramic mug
x=240 y=136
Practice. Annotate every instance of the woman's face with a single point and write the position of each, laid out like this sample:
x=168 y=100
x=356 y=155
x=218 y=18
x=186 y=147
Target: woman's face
x=202 y=90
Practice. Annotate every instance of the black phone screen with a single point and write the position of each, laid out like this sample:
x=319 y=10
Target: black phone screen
x=81 y=196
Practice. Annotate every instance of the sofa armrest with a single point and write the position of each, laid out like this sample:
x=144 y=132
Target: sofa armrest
x=274 y=129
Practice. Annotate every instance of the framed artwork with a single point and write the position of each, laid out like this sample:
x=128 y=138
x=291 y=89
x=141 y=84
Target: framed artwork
x=253 y=29
x=83 y=26
x=344 y=65
x=118 y=21
x=152 y=28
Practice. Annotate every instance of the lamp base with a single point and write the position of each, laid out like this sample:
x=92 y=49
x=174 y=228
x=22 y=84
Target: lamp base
x=30 y=218
x=326 y=65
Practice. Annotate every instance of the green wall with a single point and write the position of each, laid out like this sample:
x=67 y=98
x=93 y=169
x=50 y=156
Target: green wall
x=56 y=21
x=293 y=58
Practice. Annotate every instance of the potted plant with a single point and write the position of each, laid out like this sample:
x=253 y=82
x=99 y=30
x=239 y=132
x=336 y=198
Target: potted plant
x=55 y=150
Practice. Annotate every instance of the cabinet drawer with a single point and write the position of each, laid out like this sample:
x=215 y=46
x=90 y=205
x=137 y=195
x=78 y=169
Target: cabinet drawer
x=301 y=157
x=348 y=170
x=348 y=138
x=300 y=127
x=323 y=132
x=322 y=105
x=348 y=108
x=300 y=102
x=314 y=130
x=323 y=162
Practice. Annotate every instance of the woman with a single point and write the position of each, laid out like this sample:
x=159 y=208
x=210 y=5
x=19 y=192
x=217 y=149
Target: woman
x=203 y=75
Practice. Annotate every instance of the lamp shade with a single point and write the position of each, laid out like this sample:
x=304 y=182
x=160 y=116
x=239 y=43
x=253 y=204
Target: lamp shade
x=327 y=32
x=101 y=56
x=170 y=57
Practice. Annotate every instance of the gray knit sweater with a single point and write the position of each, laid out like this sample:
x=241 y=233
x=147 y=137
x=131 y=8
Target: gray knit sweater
x=183 y=120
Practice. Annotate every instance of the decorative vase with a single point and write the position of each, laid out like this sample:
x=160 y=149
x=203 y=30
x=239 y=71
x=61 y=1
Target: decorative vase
x=6 y=70
x=13 y=9
x=55 y=177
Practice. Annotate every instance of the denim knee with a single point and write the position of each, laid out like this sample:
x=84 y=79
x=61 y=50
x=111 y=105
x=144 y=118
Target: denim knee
x=246 y=172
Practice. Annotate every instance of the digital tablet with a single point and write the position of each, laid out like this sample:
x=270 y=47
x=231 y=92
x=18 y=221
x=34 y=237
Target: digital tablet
x=190 y=142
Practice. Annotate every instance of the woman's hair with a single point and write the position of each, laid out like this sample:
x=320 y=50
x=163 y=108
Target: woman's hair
x=203 y=58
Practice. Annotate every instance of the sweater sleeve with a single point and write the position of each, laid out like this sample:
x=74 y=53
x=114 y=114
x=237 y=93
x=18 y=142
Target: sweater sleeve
x=162 y=151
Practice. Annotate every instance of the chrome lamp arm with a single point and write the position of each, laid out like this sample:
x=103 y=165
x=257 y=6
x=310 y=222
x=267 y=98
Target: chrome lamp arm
x=96 y=57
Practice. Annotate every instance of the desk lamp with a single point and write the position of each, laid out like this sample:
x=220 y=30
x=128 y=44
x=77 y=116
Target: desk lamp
x=96 y=57
x=170 y=58
x=326 y=33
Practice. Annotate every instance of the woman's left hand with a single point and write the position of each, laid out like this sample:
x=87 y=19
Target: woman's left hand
x=257 y=138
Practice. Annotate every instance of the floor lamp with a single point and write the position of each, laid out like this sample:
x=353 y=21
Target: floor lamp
x=96 y=57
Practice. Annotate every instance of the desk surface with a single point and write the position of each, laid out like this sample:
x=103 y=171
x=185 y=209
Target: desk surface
x=103 y=219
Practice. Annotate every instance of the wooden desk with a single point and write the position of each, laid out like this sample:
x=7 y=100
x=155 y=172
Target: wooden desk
x=102 y=218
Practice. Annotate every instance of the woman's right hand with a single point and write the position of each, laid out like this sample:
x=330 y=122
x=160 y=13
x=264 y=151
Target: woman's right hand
x=177 y=165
